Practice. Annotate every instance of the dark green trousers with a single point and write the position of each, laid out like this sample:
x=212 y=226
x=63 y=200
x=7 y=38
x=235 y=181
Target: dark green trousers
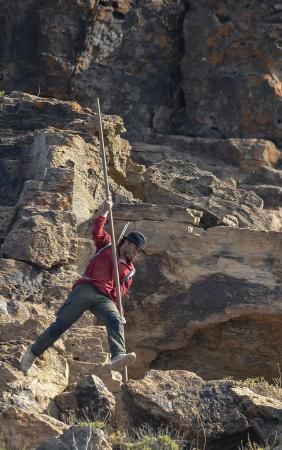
x=84 y=297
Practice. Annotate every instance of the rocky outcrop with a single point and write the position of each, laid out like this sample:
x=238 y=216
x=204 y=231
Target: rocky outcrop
x=248 y=164
x=201 y=293
x=219 y=203
x=214 y=414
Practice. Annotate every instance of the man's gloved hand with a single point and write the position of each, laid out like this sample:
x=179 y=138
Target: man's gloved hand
x=123 y=320
x=106 y=207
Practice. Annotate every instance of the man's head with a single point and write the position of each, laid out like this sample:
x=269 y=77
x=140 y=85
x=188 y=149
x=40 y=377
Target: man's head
x=133 y=244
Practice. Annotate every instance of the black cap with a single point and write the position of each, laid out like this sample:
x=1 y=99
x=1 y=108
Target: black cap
x=138 y=239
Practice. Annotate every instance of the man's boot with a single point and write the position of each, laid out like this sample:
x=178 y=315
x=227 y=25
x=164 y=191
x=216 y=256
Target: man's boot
x=28 y=360
x=122 y=360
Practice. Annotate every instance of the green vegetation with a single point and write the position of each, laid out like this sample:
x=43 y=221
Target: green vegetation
x=99 y=424
x=164 y=442
x=260 y=386
x=147 y=439
x=2 y=93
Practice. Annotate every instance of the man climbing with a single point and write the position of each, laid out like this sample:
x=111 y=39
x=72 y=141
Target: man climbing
x=95 y=291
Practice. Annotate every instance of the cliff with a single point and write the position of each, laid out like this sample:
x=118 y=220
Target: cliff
x=196 y=88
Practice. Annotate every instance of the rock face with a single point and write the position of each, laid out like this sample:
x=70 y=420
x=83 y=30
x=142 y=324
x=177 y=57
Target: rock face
x=230 y=69
x=206 y=295
x=116 y=45
x=200 y=67
x=198 y=84
x=209 y=286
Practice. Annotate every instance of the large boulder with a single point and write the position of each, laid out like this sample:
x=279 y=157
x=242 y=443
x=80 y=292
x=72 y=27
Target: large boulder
x=90 y=399
x=213 y=413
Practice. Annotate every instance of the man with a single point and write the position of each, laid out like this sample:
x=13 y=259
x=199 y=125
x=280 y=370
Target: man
x=95 y=291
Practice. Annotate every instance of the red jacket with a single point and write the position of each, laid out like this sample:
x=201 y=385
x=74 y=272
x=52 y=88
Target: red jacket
x=100 y=269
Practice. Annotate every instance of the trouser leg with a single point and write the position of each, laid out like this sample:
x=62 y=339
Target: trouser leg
x=77 y=302
x=106 y=310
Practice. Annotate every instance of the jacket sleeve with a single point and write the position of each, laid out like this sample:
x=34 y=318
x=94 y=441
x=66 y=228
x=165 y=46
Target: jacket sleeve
x=99 y=235
x=123 y=290
x=125 y=286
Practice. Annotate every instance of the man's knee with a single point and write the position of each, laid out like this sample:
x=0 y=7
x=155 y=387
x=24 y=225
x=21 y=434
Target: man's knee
x=58 y=328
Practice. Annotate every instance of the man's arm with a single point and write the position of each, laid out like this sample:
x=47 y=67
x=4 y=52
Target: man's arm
x=99 y=235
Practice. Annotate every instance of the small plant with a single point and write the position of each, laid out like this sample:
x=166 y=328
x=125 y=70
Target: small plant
x=2 y=93
x=254 y=446
x=261 y=386
x=97 y=424
x=146 y=439
x=164 y=442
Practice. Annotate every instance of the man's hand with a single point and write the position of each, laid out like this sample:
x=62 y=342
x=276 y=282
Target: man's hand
x=106 y=207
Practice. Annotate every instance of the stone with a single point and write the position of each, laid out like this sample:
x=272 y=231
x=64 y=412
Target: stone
x=78 y=369
x=46 y=379
x=271 y=195
x=7 y=214
x=48 y=242
x=18 y=426
x=213 y=413
x=264 y=413
x=101 y=40
x=181 y=400
x=81 y=437
x=90 y=400
x=208 y=287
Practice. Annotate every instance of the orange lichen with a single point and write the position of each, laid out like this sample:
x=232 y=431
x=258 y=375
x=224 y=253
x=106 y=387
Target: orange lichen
x=161 y=40
x=39 y=104
x=275 y=83
x=75 y=106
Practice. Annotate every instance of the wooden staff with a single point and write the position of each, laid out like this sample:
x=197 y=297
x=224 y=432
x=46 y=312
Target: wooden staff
x=108 y=194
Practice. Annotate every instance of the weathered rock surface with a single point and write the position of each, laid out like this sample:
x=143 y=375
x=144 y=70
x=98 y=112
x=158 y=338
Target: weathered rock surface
x=48 y=378
x=90 y=399
x=206 y=295
x=153 y=62
x=231 y=79
x=78 y=437
x=131 y=49
x=213 y=413
x=248 y=164
x=19 y=427
x=201 y=190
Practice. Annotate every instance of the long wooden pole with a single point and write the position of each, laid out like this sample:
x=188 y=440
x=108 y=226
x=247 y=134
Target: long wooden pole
x=111 y=220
